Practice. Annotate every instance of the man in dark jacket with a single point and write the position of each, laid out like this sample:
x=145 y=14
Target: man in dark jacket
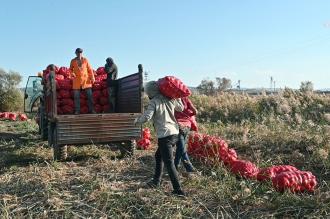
x=112 y=72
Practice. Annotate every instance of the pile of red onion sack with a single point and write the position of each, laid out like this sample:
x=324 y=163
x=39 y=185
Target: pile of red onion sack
x=214 y=149
x=13 y=116
x=283 y=177
x=64 y=92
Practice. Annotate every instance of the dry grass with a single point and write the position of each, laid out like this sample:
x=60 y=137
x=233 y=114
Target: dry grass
x=95 y=183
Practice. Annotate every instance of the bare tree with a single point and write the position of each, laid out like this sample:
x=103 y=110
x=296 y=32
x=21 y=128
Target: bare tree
x=223 y=83
x=306 y=86
x=206 y=87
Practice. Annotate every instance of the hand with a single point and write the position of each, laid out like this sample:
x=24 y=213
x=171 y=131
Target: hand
x=136 y=121
x=196 y=112
x=93 y=80
x=73 y=75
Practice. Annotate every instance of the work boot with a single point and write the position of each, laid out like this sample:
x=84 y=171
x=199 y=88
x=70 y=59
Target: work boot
x=92 y=112
x=76 y=113
x=153 y=184
x=179 y=193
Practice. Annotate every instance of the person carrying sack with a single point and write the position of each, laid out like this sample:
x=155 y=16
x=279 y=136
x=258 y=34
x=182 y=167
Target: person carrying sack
x=161 y=111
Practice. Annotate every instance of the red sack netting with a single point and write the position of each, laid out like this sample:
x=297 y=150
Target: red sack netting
x=270 y=172
x=83 y=95
x=96 y=100
x=84 y=109
x=67 y=102
x=104 y=84
x=244 y=168
x=104 y=101
x=284 y=177
x=66 y=109
x=194 y=126
x=64 y=71
x=59 y=77
x=105 y=92
x=100 y=71
x=64 y=94
x=4 y=115
x=206 y=146
x=12 y=116
x=47 y=70
x=83 y=102
x=144 y=143
x=97 y=86
x=22 y=117
x=228 y=156
x=295 y=181
x=100 y=78
x=173 y=87
x=106 y=108
x=98 y=108
x=65 y=84
x=97 y=94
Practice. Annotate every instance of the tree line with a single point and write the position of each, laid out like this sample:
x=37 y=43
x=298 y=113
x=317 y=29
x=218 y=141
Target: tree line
x=11 y=97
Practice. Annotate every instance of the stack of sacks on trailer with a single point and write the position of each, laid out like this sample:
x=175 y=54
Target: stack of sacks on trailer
x=64 y=92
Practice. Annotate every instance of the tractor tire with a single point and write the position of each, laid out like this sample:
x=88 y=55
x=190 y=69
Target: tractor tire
x=43 y=124
x=60 y=153
x=127 y=148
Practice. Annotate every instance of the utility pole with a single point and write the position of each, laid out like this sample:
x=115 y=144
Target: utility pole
x=271 y=82
x=274 y=87
x=146 y=74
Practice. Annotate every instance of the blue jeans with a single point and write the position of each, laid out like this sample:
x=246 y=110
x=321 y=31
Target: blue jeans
x=181 y=151
x=76 y=94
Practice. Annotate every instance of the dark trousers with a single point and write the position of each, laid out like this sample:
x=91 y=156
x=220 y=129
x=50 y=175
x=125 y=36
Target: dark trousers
x=164 y=155
x=76 y=94
x=112 y=99
x=181 y=151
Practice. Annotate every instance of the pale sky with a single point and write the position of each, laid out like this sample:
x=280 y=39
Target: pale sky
x=247 y=40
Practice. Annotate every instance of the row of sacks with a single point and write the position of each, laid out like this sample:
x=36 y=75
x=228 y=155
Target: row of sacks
x=283 y=177
x=213 y=149
x=66 y=73
x=65 y=94
x=13 y=116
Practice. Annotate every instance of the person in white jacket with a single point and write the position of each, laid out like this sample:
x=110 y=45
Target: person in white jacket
x=161 y=111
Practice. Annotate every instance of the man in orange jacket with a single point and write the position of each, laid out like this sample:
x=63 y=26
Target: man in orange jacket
x=83 y=79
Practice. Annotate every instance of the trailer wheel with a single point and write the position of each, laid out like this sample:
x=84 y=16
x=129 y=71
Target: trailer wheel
x=43 y=124
x=60 y=153
x=127 y=148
